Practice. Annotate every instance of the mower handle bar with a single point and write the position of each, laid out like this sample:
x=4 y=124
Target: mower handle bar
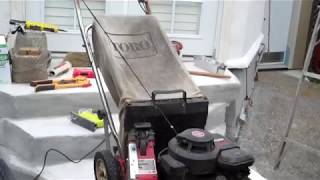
x=106 y=107
x=156 y=92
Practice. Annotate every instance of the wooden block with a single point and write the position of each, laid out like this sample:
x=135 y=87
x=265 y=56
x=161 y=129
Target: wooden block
x=29 y=51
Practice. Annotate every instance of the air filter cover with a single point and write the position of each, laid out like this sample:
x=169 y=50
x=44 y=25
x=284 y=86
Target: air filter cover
x=195 y=149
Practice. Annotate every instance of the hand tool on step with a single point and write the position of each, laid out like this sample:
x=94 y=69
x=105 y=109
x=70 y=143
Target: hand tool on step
x=60 y=69
x=87 y=118
x=31 y=51
x=209 y=74
x=87 y=72
x=31 y=25
x=44 y=85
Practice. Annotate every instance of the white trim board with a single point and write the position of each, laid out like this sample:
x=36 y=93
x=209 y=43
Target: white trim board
x=245 y=61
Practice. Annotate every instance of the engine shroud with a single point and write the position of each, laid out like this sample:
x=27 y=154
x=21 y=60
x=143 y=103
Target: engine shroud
x=197 y=152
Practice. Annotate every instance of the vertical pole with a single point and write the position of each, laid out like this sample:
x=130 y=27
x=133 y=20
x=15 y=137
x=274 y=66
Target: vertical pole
x=298 y=91
x=269 y=25
x=291 y=118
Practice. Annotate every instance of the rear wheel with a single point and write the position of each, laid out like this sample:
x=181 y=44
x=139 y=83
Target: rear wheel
x=105 y=166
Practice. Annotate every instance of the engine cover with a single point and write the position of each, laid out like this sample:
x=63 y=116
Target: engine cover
x=201 y=153
x=196 y=149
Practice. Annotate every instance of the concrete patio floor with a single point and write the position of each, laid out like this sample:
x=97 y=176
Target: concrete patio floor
x=272 y=100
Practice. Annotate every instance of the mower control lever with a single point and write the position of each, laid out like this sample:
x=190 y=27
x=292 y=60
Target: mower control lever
x=143 y=135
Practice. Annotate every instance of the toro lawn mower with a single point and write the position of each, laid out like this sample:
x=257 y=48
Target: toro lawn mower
x=162 y=112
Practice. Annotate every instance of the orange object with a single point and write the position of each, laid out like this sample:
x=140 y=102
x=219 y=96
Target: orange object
x=44 y=85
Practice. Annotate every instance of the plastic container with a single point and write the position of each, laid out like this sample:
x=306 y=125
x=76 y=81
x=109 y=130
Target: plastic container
x=5 y=76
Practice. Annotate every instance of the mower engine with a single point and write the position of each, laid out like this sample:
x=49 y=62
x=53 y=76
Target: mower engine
x=141 y=156
x=198 y=154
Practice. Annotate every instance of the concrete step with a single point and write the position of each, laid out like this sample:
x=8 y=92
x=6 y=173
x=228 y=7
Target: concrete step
x=31 y=138
x=19 y=101
x=19 y=167
x=24 y=170
x=67 y=171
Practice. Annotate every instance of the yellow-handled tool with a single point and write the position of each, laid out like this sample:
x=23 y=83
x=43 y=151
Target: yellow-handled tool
x=88 y=119
x=37 y=26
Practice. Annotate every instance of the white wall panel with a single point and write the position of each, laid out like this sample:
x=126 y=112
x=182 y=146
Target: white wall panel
x=4 y=16
x=241 y=28
x=281 y=11
x=62 y=12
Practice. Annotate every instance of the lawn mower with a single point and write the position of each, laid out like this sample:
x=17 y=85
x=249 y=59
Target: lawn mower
x=162 y=112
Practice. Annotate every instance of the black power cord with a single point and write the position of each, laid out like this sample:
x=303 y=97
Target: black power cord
x=67 y=157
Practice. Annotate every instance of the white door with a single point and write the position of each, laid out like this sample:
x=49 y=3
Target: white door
x=192 y=22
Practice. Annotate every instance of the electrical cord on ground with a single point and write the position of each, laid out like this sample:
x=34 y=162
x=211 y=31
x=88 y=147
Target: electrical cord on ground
x=130 y=67
x=67 y=157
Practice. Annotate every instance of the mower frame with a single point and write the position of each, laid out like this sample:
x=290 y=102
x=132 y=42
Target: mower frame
x=108 y=119
x=182 y=112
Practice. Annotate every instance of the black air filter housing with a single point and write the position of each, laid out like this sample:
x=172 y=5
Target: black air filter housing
x=195 y=148
x=235 y=159
x=204 y=153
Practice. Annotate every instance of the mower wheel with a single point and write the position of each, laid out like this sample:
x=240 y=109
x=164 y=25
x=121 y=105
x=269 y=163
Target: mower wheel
x=106 y=167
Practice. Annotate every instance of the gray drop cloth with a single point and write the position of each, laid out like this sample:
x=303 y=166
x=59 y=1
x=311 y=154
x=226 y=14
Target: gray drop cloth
x=148 y=51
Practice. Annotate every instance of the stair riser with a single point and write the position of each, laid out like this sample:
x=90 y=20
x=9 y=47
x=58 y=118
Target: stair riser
x=74 y=147
x=19 y=175
x=216 y=116
x=42 y=105
x=45 y=105
x=6 y=105
x=15 y=139
x=33 y=149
